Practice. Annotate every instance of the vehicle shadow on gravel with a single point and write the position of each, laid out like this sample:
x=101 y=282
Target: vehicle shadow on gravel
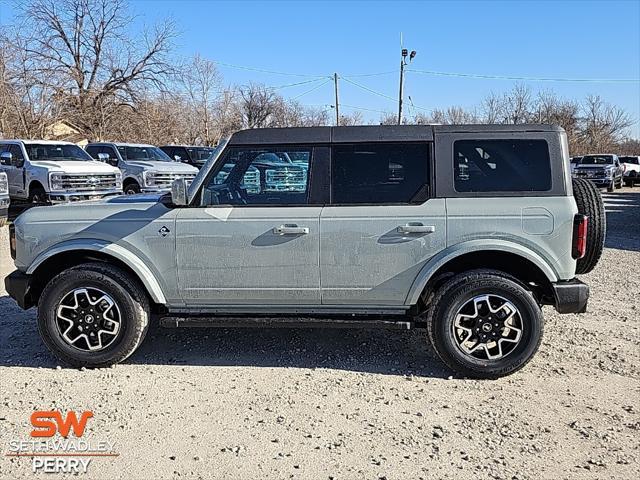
x=390 y=352
x=622 y=219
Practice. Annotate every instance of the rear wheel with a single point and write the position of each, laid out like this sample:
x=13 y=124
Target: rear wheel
x=589 y=202
x=484 y=324
x=93 y=315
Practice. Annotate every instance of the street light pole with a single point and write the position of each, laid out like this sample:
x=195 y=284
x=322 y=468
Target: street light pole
x=403 y=62
x=335 y=80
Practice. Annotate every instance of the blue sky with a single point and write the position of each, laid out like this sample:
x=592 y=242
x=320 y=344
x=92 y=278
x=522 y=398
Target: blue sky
x=570 y=39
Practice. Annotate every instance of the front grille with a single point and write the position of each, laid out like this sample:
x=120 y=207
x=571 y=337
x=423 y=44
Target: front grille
x=166 y=179
x=591 y=174
x=88 y=183
x=284 y=179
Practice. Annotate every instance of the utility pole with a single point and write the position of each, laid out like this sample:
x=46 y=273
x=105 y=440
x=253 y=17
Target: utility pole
x=335 y=81
x=403 y=62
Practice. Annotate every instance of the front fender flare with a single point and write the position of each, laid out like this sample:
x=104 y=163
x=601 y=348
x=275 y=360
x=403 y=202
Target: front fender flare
x=454 y=251
x=143 y=272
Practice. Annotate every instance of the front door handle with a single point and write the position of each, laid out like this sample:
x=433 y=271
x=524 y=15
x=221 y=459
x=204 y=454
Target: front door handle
x=416 y=227
x=290 y=229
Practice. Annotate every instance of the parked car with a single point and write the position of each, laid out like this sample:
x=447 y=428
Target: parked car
x=41 y=171
x=4 y=199
x=574 y=162
x=145 y=168
x=387 y=231
x=193 y=155
x=604 y=171
x=631 y=167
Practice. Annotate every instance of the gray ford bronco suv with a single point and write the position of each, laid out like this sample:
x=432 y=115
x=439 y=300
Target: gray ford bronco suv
x=464 y=230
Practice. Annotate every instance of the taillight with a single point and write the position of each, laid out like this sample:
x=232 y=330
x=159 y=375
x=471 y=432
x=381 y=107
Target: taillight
x=580 y=225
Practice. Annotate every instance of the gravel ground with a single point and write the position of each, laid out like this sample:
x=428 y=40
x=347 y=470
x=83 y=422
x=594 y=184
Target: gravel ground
x=322 y=404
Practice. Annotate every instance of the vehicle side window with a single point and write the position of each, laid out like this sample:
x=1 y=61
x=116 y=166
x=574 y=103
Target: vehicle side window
x=501 y=166
x=18 y=159
x=383 y=173
x=183 y=154
x=93 y=151
x=253 y=176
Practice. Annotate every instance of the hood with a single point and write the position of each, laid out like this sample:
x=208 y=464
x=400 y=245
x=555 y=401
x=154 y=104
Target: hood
x=114 y=206
x=168 y=167
x=74 y=166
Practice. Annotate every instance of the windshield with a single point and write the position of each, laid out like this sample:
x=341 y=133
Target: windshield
x=204 y=171
x=634 y=160
x=144 y=153
x=200 y=154
x=597 y=160
x=39 y=152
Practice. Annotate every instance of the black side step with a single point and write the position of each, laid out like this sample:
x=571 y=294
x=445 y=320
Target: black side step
x=282 y=322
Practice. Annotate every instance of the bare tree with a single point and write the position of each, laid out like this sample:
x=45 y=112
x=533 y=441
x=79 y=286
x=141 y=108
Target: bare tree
x=202 y=84
x=257 y=105
x=603 y=125
x=84 y=48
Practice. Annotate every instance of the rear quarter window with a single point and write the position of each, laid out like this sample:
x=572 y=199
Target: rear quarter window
x=501 y=166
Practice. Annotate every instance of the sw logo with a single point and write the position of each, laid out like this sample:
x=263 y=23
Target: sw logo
x=47 y=423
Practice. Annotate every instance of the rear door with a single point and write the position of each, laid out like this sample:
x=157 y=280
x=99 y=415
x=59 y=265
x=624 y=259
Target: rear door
x=381 y=226
x=253 y=238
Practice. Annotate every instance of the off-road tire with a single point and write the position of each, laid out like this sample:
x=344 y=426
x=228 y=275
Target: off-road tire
x=589 y=202
x=128 y=294
x=458 y=290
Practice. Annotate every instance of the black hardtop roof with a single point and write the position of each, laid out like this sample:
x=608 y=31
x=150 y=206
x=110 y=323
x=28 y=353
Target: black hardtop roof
x=371 y=133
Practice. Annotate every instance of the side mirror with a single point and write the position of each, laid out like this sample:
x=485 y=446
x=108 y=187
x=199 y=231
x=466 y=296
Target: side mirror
x=5 y=158
x=103 y=157
x=179 y=192
x=177 y=158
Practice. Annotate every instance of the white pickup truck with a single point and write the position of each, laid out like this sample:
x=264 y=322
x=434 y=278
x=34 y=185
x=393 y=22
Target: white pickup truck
x=4 y=199
x=41 y=171
x=631 y=169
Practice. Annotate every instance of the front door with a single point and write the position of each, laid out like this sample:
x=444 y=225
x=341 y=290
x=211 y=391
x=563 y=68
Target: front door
x=15 y=172
x=253 y=237
x=382 y=226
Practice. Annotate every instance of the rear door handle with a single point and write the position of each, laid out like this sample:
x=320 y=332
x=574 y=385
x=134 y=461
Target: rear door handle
x=290 y=229
x=416 y=228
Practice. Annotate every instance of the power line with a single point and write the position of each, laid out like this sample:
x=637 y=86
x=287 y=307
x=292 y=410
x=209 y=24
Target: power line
x=370 y=74
x=531 y=79
x=262 y=70
x=296 y=84
x=369 y=89
x=312 y=89
x=363 y=108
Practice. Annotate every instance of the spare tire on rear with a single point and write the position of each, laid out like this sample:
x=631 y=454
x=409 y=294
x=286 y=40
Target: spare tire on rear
x=589 y=202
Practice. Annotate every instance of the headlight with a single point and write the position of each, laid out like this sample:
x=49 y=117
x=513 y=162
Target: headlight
x=4 y=185
x=55 y=181
x=119 y=180
x=608 y=173
x=149 y=178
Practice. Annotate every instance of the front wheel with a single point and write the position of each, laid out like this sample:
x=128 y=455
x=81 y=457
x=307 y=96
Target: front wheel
x=131 y=188
x=38 y=196
x=484 y=324
x=93 y=315
x=612 y=186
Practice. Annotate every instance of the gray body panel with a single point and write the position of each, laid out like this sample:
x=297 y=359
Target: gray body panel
x=352 y=259
x=364 y=259
x=230 y=255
